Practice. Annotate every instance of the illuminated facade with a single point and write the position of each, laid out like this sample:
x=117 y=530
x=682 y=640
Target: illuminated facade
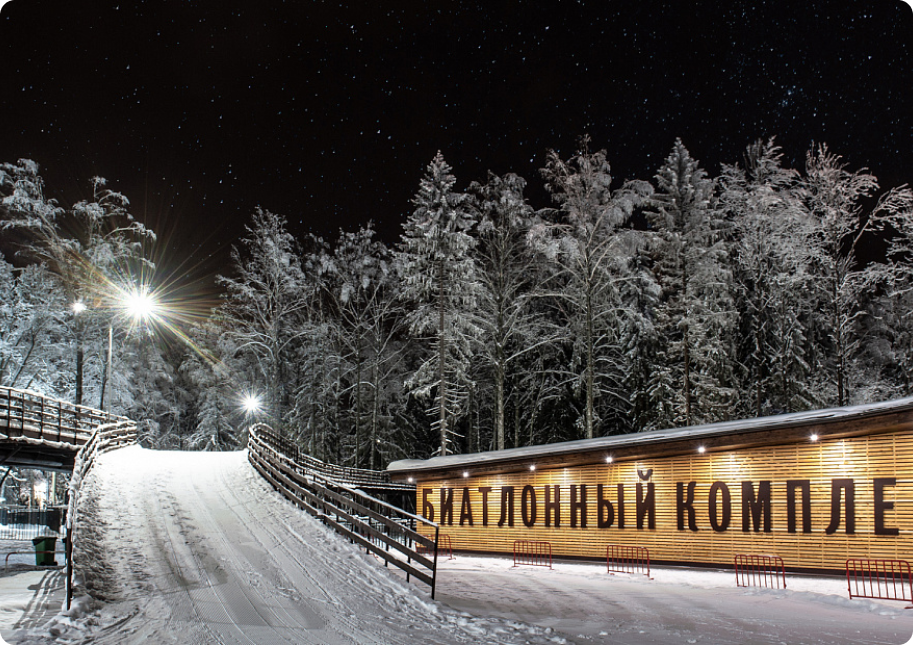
x=814 y=488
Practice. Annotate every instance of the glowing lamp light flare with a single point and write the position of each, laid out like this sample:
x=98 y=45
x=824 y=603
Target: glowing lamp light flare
x=609 y=459
x=140 y=305
x=701 y=450
x=78 y=307
x=814 y=437
x=251 y=403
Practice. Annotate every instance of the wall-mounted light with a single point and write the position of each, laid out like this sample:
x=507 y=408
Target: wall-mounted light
x=608 y=459
x=701 y=449
x=813 y=437
x=465 y=474
x=532 y=467
x=410 y=480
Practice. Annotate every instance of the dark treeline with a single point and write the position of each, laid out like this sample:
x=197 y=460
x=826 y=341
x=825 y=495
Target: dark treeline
x=682 y=300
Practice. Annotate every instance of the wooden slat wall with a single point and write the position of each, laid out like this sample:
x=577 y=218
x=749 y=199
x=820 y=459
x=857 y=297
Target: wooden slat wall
x=860 y=459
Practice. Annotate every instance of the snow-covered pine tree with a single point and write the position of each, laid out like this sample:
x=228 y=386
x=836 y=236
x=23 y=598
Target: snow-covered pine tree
x=506 y=273
x=363 y=294
x=696 y=316
x=588 y=249
x=771 y=252
x=440 y=280
x=264 y=305
x=640 y=339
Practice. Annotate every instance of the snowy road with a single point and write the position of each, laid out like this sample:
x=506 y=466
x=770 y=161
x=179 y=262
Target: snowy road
x=195 y=548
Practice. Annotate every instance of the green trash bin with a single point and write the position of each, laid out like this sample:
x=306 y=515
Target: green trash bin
x=45 y=544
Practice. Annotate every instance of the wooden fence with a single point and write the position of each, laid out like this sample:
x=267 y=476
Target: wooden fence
x=388 y=532
x=339 y=474
x=29 y=415
x=105 y=437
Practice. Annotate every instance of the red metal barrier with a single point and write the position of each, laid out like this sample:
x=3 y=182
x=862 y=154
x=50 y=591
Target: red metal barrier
x=535 y=553
x=443 y=545
x=882 y=579
x=627 y=559
x=759 y=571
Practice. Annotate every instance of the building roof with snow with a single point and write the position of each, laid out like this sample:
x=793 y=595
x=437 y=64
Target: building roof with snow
x=832 y=423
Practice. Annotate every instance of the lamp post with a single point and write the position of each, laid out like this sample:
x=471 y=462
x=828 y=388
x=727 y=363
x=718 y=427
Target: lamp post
x=77 y=308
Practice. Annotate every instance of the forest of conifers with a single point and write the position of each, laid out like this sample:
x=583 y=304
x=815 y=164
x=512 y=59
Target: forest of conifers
x=618 y=308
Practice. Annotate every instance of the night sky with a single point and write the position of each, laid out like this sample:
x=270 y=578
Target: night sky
x=328 y=112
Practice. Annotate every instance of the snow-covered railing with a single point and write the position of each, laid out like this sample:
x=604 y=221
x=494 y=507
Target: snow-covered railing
x=26 y=415
x=390 y=533
x=104 y=438
x=341 y=474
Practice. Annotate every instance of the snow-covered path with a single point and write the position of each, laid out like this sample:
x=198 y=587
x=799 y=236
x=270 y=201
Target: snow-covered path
x=196 y=548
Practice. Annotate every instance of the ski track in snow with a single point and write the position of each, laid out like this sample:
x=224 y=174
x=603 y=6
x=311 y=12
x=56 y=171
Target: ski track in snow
x=197 y=548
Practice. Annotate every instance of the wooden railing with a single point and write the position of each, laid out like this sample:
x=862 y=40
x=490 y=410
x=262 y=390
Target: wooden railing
x=26 y=415
x=340 y=474
x=388 y=532
x=104 y=438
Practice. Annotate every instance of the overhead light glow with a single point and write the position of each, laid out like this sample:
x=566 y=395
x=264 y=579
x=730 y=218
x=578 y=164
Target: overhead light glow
x=140 y=304
x=701 y=449
x=251 y=403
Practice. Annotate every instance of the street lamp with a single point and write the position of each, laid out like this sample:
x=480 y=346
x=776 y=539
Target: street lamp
x=77 y=308
x=139 y=305
x=251 y=404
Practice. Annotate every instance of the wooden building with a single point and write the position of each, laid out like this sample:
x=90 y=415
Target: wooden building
x=814 y=488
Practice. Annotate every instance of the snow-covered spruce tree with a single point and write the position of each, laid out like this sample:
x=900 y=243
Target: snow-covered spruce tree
x=216 y=410
x=641 y=340
x=588 y=248
x=440 y=280
x=771 y=246
x=696 y=316
x=506 y=272
x=318 y=361
x=363 y=292
x=834 y=199
x=263 y=306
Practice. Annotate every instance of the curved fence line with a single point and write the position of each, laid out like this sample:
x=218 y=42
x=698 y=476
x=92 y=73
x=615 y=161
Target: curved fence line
x=105 y=437
x=390 y=533
x=340 y=474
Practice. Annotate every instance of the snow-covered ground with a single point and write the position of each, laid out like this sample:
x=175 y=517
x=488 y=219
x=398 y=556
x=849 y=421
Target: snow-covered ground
x=196 y=548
